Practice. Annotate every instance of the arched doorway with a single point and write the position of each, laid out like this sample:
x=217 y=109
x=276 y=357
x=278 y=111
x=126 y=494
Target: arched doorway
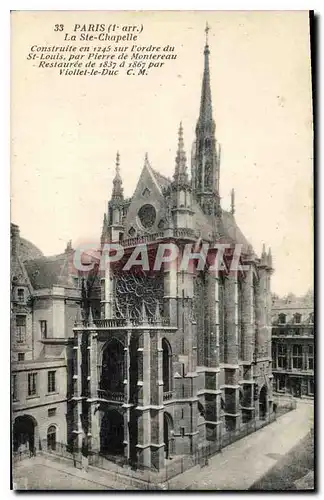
x=263 y=402
x=112 y=433
x=166 y=365
x=51 y=438
x=24 y=434
x=167 y=430
x=112 y=375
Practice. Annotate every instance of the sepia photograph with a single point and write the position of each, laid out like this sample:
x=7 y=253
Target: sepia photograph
x=162 y=250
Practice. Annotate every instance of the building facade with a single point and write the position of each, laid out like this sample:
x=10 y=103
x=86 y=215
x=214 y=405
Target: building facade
x=182 y=353
x=157 y=361
x=44 y=300
x=293 y=345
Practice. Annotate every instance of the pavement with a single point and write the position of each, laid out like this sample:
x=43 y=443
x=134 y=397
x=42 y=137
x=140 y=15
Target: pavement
x=242 y=463
x=41 y=473
x=237 y=467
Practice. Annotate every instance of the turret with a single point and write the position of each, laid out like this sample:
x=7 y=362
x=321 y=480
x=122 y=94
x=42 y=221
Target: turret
x=181 y=187
x=114 y=223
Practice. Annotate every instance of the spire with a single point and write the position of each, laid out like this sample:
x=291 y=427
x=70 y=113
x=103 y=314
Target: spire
x=104 y=229
x=263 y=255
x=206 y=113
x=270 y=257
x=180 y=174
x=232 y=202
x=206 y=157
x=117 y=182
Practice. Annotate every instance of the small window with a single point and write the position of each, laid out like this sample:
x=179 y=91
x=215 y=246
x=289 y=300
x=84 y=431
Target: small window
x=20 y=329
x=21 y=356
x=51 y=438
x=32 y=384
x=21 y=294
x=43 y=328
x=14 y=388
x=51 y=386
x=52 y=412
x=182 y=431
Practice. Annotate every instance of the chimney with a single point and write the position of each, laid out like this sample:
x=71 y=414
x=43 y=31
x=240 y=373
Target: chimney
x=15 y=239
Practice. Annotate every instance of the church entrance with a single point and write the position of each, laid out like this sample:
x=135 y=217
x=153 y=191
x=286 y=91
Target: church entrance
x=112 y=433
x=263 y=403
x=24 y=434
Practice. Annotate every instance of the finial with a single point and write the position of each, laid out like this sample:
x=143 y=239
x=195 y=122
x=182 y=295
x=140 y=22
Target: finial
x=233 y=202
x=68 y=246
x=146 y=160
x=117 y=182
x=157 y=313
x=127 y=315
x=144 y=315
x=206 y=31
x=90 y=317
x=180 y=174
x=78 y=317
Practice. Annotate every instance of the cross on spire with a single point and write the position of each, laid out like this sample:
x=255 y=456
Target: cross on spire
x=206 y=31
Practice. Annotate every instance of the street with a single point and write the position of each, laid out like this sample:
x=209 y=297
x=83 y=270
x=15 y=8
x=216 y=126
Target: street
x=247 y=463
x=241 y=464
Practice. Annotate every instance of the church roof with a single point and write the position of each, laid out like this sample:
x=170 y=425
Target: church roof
x=162 y=181
x=233 y=232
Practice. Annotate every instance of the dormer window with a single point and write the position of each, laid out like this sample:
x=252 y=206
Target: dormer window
x=282 y=319
x=297 y=318
x=21 y=295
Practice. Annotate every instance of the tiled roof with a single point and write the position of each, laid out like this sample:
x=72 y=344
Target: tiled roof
x=49 y=271
x=162 y=181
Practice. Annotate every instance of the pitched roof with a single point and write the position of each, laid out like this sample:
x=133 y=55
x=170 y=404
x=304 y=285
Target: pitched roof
x=233 y=232
x=162 y=181
x=49 y=271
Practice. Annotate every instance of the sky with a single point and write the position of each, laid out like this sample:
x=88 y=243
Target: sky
x=65 y=131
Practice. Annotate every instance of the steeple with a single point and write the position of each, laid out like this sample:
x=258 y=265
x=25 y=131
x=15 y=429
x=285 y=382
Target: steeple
x=206 y=112
x=206 y=154
x=181 y=174
x=118 y=191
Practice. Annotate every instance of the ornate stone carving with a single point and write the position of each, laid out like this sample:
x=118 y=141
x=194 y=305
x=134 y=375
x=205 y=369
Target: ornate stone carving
x=132 y=290
x=147 y=215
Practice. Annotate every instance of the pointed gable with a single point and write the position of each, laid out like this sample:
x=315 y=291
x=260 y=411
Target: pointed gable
x=148 y=195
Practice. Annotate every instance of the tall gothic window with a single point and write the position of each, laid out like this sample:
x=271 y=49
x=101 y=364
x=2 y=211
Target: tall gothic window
x=166 y=365
x=240 y=319
x=222 y=314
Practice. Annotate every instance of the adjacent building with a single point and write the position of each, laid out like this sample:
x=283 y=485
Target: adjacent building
x=293 y=345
